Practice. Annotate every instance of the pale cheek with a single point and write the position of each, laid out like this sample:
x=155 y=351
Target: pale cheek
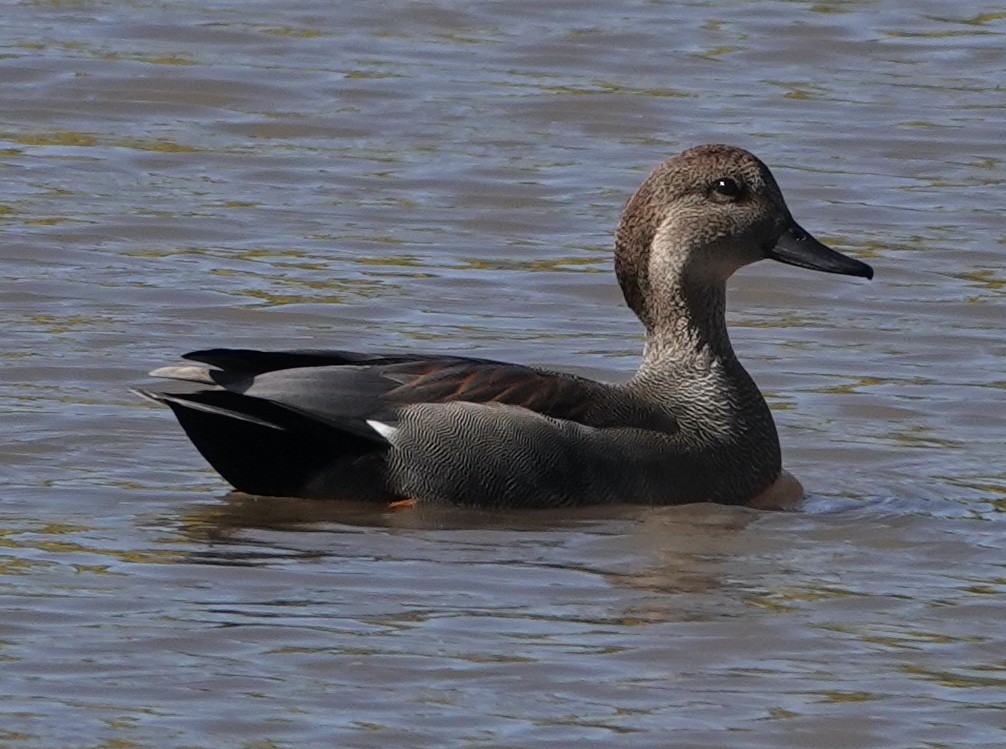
x=670 y=252
x=712 y=263
x=664 y=262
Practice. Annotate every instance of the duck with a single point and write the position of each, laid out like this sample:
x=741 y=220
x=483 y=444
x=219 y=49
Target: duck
x=689 y=426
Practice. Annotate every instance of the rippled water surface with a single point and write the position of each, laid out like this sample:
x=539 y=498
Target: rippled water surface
x=446 y=176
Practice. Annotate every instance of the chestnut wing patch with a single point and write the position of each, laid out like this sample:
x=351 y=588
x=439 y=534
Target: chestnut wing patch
x=443 y=380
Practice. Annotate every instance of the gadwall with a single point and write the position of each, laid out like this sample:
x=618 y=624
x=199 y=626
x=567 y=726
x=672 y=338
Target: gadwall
x=689 y=426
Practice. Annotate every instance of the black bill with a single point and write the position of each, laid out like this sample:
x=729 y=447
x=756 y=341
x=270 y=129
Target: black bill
x=797 y=247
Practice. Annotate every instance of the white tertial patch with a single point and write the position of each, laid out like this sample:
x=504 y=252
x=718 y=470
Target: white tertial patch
x=186 y=373
x=385 y=430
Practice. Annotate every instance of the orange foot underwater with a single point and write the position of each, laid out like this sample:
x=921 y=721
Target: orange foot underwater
x=402 y=504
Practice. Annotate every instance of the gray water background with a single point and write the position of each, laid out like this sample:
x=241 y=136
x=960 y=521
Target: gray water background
x=446 y=176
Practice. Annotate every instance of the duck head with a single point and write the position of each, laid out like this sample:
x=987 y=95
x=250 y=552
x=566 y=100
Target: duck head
x=702 y=215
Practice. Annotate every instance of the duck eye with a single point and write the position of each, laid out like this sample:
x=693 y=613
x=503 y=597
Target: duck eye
x=728 y=187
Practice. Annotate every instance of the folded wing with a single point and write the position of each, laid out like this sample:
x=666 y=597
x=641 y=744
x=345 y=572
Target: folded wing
x=301 y=423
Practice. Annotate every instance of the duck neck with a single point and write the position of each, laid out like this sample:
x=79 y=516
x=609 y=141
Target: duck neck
x=686 y=325
x=689 y=368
